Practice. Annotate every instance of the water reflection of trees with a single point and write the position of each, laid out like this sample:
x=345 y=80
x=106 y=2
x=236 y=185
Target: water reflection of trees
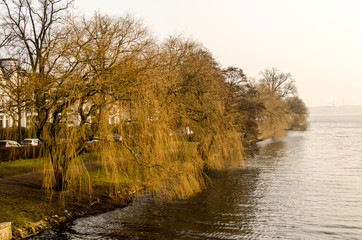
x=274 y=149
x=225 y=209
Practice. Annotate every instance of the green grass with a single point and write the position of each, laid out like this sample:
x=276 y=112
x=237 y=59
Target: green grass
x=21 y=166
x=32 y=165
x=100 y=178
x=23 y=205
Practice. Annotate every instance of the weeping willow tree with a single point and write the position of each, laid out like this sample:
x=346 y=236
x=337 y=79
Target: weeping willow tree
x=163 y=112
x=171 y=94
x=283 y=109
x=298 y=112
x=153 y=98
x=83 y=83
x=197 y=93
x=243 y=103
x=273 y=119
x=107 y=77
x=108 y=83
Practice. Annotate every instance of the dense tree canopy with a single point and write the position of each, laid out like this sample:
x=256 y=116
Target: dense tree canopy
x=174 y=110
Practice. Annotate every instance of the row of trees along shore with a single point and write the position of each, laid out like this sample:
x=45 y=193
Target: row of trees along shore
x=178 y=113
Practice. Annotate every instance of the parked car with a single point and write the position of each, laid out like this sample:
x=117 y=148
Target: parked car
x=30 y=142
x=94 y=140
x=9 y=143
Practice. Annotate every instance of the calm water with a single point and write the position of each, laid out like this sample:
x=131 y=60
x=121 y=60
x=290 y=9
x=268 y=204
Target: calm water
x=307 y=185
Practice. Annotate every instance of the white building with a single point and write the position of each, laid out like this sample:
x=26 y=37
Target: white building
x=9 y=71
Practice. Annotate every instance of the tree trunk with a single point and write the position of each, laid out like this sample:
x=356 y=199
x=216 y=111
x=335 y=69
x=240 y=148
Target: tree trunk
x=60 y=181
x=60 y=173
x=19 y=125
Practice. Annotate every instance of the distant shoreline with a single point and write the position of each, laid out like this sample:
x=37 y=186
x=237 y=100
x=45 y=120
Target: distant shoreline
x=336 y=110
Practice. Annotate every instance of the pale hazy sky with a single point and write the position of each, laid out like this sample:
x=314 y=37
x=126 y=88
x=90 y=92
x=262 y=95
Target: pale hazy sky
x=318 y=41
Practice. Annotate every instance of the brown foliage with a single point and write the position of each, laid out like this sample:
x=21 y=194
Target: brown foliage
x=106 y=76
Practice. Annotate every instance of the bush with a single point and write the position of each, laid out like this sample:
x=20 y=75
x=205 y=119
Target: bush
x=15 y=153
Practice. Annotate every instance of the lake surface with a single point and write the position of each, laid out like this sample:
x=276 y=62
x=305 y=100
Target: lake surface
x=307 y=185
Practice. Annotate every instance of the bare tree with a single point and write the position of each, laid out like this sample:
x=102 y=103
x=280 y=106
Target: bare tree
x=5 y=38
x=281 y=83
x=32 y=25
x=291 y=112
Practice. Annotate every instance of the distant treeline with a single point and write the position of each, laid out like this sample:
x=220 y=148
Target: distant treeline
x=109 y=76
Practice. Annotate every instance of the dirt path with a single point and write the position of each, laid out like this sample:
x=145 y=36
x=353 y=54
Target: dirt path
x=32 y=180
x=28 y=181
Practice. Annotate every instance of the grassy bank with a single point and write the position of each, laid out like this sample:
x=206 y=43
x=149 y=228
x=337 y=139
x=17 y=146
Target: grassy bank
x=32 y=211
x=21 y=166
x=32 y=165
x=30 y=208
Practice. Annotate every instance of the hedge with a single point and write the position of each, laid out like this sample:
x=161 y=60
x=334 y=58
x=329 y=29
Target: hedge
x=26 y=152
x=12 y=133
